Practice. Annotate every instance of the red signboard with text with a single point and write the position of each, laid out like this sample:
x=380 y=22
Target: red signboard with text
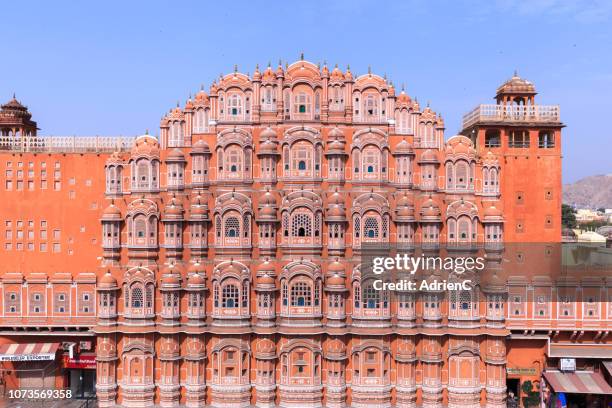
x=83 y=361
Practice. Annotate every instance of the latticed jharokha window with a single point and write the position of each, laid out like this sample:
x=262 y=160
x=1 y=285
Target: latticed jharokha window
x=301 y=225
x=234 y=105
x=302 y=103
x=371 y=298
x=302 y=156
x=371 y=228
x=301 y=294
x=233 y=159
x=229 y=296
x=232 y=227
x=137 y=298
x=201 y=121
x=176 y=134
x=371 y=105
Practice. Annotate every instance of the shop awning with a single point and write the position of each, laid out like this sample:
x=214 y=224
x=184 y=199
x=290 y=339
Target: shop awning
x=608 y=366
x=28 y=351
x=580 y=382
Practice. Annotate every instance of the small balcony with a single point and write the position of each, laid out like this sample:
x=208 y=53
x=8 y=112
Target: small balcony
x=512 y=114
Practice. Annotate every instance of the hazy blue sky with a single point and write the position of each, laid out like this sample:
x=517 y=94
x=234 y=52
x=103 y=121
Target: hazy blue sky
x=116 y=67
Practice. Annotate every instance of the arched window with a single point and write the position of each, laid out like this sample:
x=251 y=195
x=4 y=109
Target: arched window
x=229 y=296
x=490 y=180
x=371 y=298
x=201 y=121
x=176 y=134
x=137 y=297
x=232 y=227
x=142 y=174
x=337 y=99
x=371 y=106
x=371 y=162
x=301 y=225
x=302 y=158
x=267 y=99
x=287 y=102
x=233 y=160
x=463 y=229
x=461 y=175
x=403 y=122
x=371 y=228
x=113 y=179
x=451 y=225
x=450 y=176
x=234 y=106
x=301 y=294
x=140 y=227
x=302 y=104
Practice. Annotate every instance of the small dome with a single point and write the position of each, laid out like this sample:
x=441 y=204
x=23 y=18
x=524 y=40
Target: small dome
x=145 y=145
x=403 y=147
x=174 y=207
x=267 y=212
x=170 y=270
x=336 y=267
x=493 y=283
x=335 y=147
x=429 y=156
x=265 y=347
x=337 y=74
x=233 y=268
x=430 y=209
x=336 y=211
x=335 y=206
x=267 y=199
x=176 y=155
x=403 y=201
x=266 y=267
x=268 y=146
x=115 y=158
x=348 y=75
x=335 y=280
x=403 y=98
x=336 y=348
x=112 y=211
x=171 y=280
x=196 y=279
x=268 y=133
x=404 y=207
x=516 y=85
x=256 y=74
x=200 y=147
x=336 y=133
x=107 y=281
x=196 y=268
x=266 y=280
x=492 y=211
x=460 y=145
x=201 y=96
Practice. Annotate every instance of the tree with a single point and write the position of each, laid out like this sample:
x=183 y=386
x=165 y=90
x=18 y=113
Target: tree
x=531 y=397
x=568 y=216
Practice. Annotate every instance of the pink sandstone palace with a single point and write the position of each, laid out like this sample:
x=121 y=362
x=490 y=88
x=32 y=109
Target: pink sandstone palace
x=219 y=264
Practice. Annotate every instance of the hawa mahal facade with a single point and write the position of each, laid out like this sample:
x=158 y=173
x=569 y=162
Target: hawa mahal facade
x=221 y=263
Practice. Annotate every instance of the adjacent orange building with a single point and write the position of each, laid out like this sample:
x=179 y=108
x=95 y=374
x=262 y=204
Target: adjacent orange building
x=223 y=264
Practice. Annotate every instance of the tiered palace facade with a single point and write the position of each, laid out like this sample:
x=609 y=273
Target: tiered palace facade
x=230 y=269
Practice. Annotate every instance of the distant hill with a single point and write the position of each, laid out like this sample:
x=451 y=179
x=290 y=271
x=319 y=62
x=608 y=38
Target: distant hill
x=590 y=192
